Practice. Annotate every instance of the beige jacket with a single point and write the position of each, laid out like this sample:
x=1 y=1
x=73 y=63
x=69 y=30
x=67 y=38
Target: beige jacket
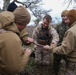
x=68 y=46
x=52 y=32
x=12 y=57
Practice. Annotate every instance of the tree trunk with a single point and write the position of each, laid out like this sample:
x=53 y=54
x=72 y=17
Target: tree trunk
x=6 y=2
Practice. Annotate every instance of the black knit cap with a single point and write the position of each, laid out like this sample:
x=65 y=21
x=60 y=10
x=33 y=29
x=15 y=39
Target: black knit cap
x=12 y=6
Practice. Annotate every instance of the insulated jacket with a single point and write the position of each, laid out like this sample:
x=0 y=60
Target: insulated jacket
x=49 y=35
x=12 y=56
x=68 y=46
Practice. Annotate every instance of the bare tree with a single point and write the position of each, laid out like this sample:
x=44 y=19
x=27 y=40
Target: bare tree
x=5 y=4
x=69 y=2
x=33 y=5
x=37 y=11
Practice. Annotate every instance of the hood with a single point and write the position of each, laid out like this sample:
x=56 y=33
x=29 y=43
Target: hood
x=7 y=21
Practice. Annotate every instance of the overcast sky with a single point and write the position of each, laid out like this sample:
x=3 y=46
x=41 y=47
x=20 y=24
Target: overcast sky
x=57 y=6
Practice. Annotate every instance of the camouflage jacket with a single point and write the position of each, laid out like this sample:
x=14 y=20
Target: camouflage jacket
x=61 y=29
x=49 y=35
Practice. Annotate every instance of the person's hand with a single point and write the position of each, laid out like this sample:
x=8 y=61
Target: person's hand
x=28 y=52
x=53 y=45
x=47 y=47
x=35 y=46
x=30 y=40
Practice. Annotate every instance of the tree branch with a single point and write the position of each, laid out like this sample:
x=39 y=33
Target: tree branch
x=69 y=3
x=20 y=3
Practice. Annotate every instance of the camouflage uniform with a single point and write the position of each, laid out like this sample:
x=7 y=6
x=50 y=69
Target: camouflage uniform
x=43 y=57
x=61 y=29
x=71 y=68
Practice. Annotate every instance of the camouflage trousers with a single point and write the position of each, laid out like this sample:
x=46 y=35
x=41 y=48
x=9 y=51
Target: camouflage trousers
x=43 y=69
x=59 y=63
x=70 y=69
x=42 y=56
x=43 y=60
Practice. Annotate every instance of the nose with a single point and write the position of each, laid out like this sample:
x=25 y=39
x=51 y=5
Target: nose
x=65 y=21
x=45 y=24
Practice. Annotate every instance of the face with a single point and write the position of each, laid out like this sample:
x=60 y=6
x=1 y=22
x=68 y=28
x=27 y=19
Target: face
x=45 y=23
x=21 y=27
x=67 y=21
x=63 y=18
